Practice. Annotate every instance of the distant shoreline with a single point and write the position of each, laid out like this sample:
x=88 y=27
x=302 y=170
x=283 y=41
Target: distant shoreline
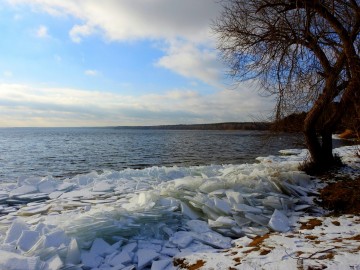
x=214 y=126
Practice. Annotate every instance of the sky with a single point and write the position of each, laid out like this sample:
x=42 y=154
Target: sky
x=117 y=62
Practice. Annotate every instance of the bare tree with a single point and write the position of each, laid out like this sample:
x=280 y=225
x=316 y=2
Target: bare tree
x=306 y=52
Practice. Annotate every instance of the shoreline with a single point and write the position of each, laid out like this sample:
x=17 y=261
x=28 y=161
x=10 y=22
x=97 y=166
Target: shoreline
x=161 y=215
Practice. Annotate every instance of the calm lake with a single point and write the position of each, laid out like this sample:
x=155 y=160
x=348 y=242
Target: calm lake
x=65 y=152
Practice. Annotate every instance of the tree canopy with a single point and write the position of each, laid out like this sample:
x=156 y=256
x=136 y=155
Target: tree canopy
x=306 y=52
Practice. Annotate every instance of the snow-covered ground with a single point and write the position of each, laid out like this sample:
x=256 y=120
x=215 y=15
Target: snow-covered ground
x=245 y=216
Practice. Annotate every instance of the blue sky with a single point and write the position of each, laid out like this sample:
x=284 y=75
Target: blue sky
x=116 y=62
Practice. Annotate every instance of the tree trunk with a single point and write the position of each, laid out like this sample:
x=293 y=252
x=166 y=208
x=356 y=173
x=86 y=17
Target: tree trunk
x=321 y=156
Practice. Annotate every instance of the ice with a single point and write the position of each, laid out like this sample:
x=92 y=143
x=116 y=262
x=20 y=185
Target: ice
x=257 y=218
x=55 y=263
x=222 y=206
x=103 y=186
x=182 y=239
x=27 y=239
x=25 y=189
x=34 y=209
x=160 y=265
x=15 y=231
x=87 y=219
x=121 y=258
x=246 y=208
x=55 y=239
x=130 y=247
x=12 y=261
x=234 y=197
x=100 y=247
x=198 y=226
x=279 y=222
x=47 y=186
x=214 y=239
x=188 y=212
x=90 y=260
x=145 y=257
x=73 y=253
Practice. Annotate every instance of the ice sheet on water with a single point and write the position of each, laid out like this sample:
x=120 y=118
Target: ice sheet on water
x=96 y=219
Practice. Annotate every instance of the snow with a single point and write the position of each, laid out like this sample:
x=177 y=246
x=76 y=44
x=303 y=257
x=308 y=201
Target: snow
x=144 y=219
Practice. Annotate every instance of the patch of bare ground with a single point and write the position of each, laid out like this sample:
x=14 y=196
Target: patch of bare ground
x=237 y=261
x=342 y=197
x=257 y=241
x=311 y=237
x=336 y=223
x=310 y=224
x=183 y=264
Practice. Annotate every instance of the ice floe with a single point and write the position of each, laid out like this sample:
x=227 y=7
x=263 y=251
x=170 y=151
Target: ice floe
x=141 y=219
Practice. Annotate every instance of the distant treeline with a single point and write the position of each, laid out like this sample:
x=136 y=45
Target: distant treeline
x=216 y=126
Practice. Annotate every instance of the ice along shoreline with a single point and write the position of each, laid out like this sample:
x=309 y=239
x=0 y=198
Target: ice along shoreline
x=141 y=219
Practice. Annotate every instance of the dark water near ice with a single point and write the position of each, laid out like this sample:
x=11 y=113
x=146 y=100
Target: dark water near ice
x=65 y=152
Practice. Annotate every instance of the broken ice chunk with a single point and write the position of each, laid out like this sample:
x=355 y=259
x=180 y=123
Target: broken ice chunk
x=160 y=265
x=55 y=239
x=103 y=186
x=222 y=205
x=65 y=186
x=55 y=263
x=211 y=185
x=25 y=189
x=198 y=226
x=73 y=253
x=15 y=261
x=214 y=239
x=121 y=258
x=246 y=208
x=182 y=239
x=90 y=260
x=279 y=222
x=222 y=222
x=130 y=247
x=145 y=257
x=27 y=239
x=234 y=197
x=47 y=186
x=100 y=247
x=34 y=209
x=257 y=218
x=187 y=211
x=15 y=230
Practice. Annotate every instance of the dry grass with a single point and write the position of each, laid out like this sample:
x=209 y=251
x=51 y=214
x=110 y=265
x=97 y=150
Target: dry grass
x=310 y=224
x=183 y=264
x=342 y=197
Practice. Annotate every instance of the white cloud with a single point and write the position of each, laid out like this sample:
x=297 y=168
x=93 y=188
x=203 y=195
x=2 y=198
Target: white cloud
x=187 y=21
x=23 y=105
x=80 y=31
x=91 y=72
x=192 y=62
x=137 y=19
x=42 y=32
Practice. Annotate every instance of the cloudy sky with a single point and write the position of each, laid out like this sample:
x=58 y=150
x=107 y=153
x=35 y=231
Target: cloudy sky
x=116 y=62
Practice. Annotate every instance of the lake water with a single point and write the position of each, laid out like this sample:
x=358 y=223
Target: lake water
x=65 y=152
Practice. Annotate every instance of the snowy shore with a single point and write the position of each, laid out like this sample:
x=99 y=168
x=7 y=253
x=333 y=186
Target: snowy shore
x=245 y=216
